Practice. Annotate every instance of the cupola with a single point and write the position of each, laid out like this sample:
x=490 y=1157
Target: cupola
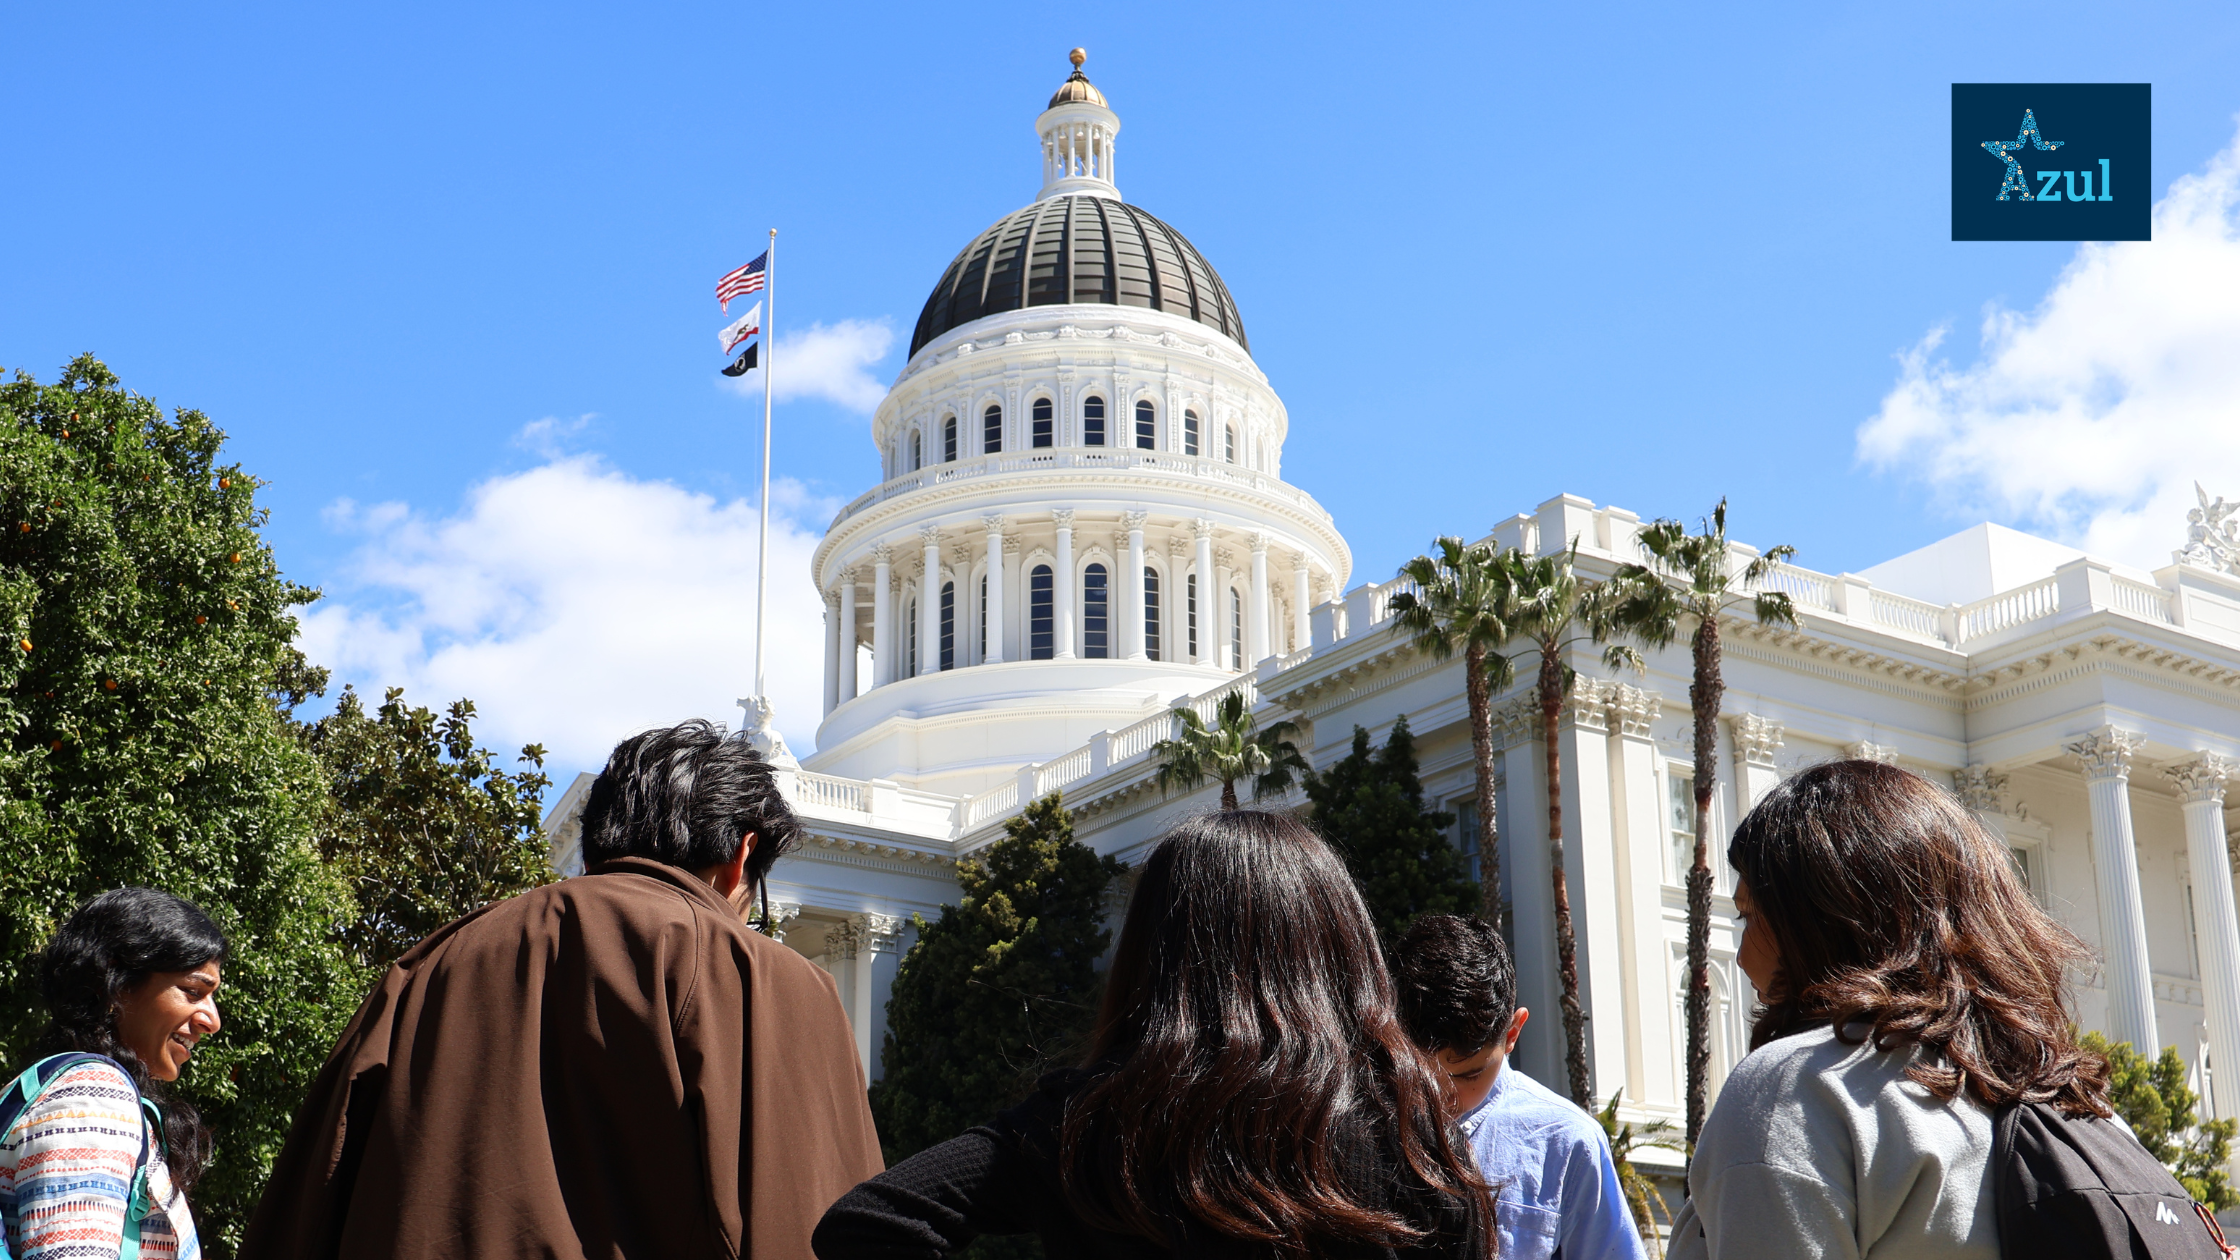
x=1077 y=133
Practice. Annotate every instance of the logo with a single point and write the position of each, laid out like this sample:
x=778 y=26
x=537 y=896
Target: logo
x=2163 y=1215
x=2094 y=183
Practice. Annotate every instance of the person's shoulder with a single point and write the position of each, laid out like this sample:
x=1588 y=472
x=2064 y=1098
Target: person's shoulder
x=95 y=1085
x=1786 y=1062
x=1528 y=1104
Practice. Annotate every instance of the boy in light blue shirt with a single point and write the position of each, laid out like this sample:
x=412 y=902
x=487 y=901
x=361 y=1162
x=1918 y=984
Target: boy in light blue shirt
x=1548 y=1161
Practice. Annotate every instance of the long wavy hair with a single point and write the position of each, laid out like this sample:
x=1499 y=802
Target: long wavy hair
x=109 y=946
x=1248 y=1072
x=1897 y=916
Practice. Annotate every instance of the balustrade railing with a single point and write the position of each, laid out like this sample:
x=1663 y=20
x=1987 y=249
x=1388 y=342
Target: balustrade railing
x=832 y=792
x=1804 y=587
x=1134 y=741
x=2142 y=599
x=2006 y=610
x=1906 y=616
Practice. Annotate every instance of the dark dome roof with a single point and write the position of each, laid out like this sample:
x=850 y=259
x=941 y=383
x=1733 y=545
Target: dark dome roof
x=1079 y=249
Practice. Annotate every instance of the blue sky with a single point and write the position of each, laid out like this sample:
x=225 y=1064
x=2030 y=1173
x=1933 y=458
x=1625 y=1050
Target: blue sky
x=423 y=262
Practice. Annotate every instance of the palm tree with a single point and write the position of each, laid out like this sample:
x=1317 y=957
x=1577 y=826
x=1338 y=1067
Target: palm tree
x=1689 y=582
x=1641 y=1193
x=1234 y=747
x=1456 y=608
x=1543 y=602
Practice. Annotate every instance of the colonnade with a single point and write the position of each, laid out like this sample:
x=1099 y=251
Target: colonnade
x=1192 y=618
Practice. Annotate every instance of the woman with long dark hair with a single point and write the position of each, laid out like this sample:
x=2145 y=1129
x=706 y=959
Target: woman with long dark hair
x=1910 y=986
x=1248 y=1090
x=95 y=1154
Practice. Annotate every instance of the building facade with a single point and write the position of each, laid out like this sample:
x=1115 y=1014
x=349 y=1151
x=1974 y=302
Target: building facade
x=1084 y=526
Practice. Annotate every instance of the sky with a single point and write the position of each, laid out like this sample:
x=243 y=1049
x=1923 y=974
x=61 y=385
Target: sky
x=444 y=275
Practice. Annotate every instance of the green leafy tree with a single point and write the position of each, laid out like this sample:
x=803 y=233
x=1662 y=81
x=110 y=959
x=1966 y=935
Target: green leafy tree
x=1641 y=1193
x=1233 y=746
x=2152 y=1098
x=1454 y=610
x=145 y=679
x=1001 y=988
x=1369 y=805
x=1688 y=584
x=1542 y=602
x=422 y=823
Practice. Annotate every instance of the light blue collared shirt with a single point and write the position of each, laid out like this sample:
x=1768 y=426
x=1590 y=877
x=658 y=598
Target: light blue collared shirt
x=1556 y=1189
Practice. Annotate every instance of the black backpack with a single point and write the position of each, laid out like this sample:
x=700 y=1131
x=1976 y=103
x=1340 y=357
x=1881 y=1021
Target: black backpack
x=2068 y=1187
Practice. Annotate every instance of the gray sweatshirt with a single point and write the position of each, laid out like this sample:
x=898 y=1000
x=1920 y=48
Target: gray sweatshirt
x=1816 y=1148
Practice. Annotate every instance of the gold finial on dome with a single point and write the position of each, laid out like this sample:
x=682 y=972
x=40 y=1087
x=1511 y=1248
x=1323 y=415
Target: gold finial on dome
x=1077 y=89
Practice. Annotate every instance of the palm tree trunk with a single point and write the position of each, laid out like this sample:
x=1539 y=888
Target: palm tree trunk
x=1567 y=948
x=1481 y=749
x=1704 y=696
x=1228 y=794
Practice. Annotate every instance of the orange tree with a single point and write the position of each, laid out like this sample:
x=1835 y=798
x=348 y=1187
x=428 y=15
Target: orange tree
x=145 y=739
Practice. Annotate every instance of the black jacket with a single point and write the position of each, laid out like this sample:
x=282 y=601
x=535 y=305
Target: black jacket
x=1003 y=1178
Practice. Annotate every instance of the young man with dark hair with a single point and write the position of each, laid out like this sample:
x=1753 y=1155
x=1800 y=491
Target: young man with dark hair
x=1548 y=1161
x=612 y=1065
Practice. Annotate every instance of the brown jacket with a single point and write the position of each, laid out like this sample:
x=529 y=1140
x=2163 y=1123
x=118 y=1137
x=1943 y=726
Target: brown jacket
x=610 y=1066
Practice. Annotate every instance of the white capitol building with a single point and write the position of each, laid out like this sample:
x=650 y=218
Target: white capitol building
x=1084 y=525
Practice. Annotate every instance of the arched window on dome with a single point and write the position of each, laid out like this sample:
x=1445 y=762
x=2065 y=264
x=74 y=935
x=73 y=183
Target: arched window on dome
x=1096 y=607
x=949 y=440
x=917 y=451
x=1092 y=421
x=983 y=618
x=1147 y=426
x=948 y=625
x=1189 y=432
x=1190 y=616
x=1044 y=434
x=1041 y=614
x=1151 y=612
x=910 y=639
x=1229 y=443
x=991 y=430
x=1236 y=629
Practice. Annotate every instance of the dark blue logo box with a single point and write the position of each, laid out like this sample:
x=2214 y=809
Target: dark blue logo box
x=2052 y=161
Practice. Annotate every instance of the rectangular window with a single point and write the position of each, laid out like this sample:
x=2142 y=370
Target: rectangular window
x=1095 y=623
x=1190 y=614
x=910 y=640
x=948 y=625
x=1041 y=617
x=1151 y=612
x=2021 y=859
x=1680 y=795
x=1092 y=421
x=949 y=440
x=1043 y=429
x=1236 y=629
x=1466 y=834
x=1147 y=427
x=1229 y=443
x=1189 y=432
x=991 y=431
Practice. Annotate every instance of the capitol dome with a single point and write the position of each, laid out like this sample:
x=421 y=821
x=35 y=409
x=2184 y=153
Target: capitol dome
x=1080 y=249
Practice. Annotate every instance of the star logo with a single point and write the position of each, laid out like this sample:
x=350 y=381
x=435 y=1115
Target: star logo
x=2004 y=150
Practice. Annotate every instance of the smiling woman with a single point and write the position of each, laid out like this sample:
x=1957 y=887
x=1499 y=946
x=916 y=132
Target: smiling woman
x=87 y=1133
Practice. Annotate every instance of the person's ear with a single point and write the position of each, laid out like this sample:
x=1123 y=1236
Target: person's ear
x=1516 y=1028
x=735 y=871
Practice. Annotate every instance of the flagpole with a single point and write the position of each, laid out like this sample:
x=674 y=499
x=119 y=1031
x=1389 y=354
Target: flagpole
x=762 y=535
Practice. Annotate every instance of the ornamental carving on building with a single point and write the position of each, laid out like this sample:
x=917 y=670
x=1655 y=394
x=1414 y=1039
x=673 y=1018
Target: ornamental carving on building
x=2213 y=534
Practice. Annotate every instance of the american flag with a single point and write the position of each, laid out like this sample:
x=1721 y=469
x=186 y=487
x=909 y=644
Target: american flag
x=745 y=280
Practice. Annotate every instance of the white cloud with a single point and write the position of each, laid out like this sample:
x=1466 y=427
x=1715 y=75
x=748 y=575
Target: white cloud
x=575 y=605
x=547 y=437
x=2092 y=416
x=830 y=362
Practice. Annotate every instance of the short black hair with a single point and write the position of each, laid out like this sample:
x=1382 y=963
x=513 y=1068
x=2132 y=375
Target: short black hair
x=685 y=795
x=1456 y=986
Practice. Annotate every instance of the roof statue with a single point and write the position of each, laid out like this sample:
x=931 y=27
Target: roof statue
x=2212 y=534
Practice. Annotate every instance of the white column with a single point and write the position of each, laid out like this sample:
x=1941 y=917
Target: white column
x=1653 y=1061
x=1302 y=592
x=929 y=603
x=847 y=635
x=2106 y=754
x=882 y=616
x=2201 y=787
x=1132 y=633
x=1756 y=739
x=994 y=629
x=860 y=942
x=1593 y=856
x=1525 y=868
x=1212 y=613
x=1256 y=604
x=831 y=654
x=1062 y=587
